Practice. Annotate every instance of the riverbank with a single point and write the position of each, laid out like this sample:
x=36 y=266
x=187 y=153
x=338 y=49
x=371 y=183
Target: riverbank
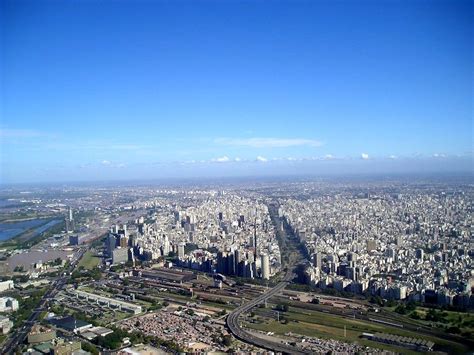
x=33 y=235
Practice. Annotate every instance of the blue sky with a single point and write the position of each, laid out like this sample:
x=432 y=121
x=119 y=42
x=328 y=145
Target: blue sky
x=97 y=90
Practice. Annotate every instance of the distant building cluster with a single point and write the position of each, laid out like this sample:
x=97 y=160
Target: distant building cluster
x=414 y=246
x=211 y=232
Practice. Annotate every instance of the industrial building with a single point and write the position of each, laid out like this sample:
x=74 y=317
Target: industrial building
x=166 y=275
x=70 y=323
x=40 y=334
x=407 y=342
x=109 y=302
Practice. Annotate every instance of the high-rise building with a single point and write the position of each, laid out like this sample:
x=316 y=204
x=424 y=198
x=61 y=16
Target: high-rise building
x=419 y=254
x=119 y=255
x=237 y=260
x=75 y=239
x=255 y=241
x=399 y=241
x=231 y=263
x=181 y=251
x=111 y=244
x=222 y=263
x=352 y=257
x=371 y=245
x=70 y=225
x=166 y=246
x=265 y=266
x=123 y=241
x=317 y=260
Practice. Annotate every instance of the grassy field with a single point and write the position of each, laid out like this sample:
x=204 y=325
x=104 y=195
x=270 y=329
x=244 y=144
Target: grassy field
x=323 y=325
x=164 y=295
x=465 y=321
x=89 y=260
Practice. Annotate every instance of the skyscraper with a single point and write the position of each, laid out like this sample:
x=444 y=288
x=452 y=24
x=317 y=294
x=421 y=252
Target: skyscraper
x=70 y=225
x=317 y=260
x=255 y=238
x=265 y=266
x=181 y=251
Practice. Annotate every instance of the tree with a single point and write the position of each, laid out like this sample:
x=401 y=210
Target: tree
x=454 y=330
x=414 y=315
x=190 y=312
x=227 y=340
x=433 y=316
x=401 y=309
x=89 y=347
x=282 y=307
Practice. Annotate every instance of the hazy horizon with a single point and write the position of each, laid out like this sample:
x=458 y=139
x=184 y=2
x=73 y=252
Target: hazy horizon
x=122 y=90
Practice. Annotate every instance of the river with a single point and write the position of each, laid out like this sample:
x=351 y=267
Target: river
x=13 y=229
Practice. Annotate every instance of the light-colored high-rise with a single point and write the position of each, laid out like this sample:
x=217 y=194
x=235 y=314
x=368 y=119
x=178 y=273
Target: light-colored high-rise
x=265 y=266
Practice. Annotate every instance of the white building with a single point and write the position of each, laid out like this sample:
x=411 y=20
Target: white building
x=8 y=304
x=6 y=285
x=181 y=251
x=265 y=267
x=5 y=325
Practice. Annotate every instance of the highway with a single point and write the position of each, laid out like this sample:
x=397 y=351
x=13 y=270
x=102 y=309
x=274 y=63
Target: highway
x=234 y=326
x=20 y=335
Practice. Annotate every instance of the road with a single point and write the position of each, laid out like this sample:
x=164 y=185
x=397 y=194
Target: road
x=234 y=326
x=20 y=335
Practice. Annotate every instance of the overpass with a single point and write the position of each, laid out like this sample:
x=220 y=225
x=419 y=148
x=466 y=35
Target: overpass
x=234 y=326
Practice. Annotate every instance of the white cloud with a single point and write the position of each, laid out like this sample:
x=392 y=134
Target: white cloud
x=237 y=159
x=437 y=155
x=364 y=156
x=329 y=157
x=223 y=159
x=261 y=159
x=112 y=165
x=268 y=142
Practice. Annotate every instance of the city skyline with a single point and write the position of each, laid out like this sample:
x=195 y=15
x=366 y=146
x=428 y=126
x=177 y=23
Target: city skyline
x=148 y=90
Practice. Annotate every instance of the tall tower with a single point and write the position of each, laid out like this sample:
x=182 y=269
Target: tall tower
x=317 y=260
x=181 y=251
x=70 y=227
x=255 y=237
x=265 y=266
